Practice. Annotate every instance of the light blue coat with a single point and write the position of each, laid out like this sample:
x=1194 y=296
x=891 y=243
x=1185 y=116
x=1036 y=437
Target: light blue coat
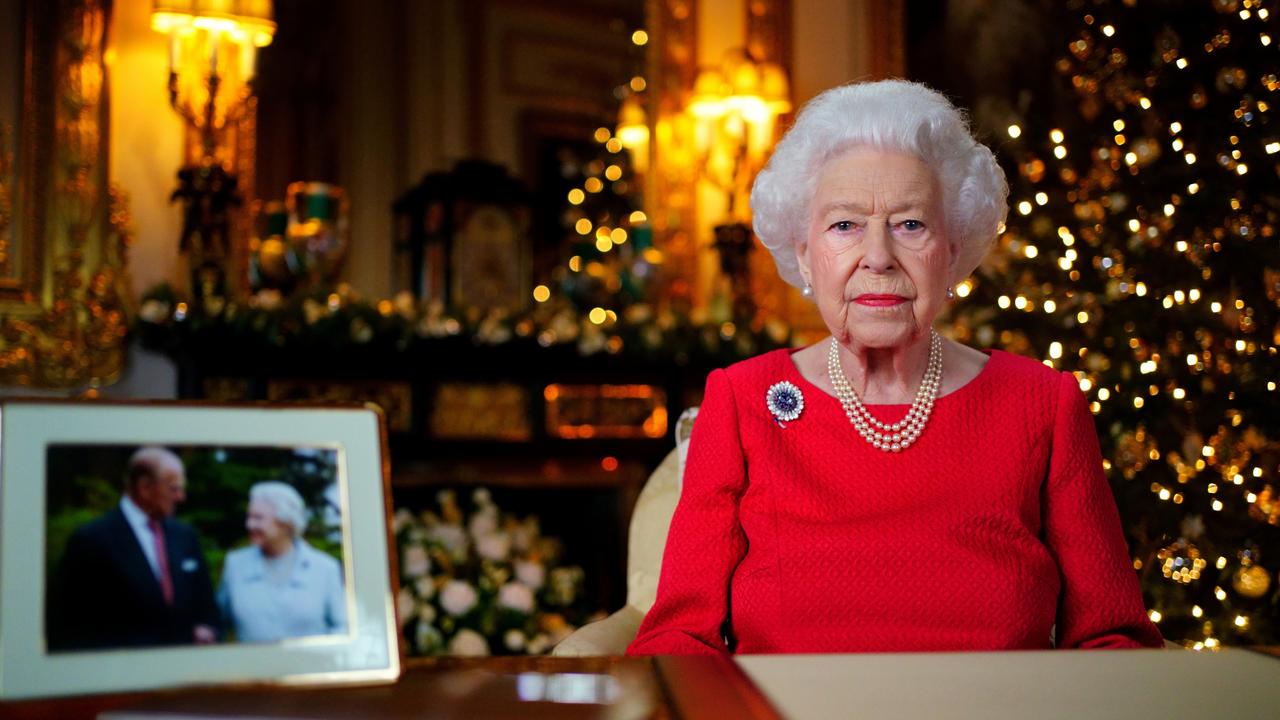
x=312 y=602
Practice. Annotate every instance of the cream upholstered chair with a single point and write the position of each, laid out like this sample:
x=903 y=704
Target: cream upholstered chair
x=646 y=541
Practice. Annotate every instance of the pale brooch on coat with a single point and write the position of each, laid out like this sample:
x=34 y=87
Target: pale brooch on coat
x=785 y=402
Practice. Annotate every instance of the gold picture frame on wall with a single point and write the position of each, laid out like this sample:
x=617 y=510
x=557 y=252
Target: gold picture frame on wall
x=63 y=229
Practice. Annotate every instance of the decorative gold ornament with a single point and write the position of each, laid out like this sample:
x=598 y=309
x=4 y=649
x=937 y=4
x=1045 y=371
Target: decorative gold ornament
x=1252 y=581
x=273 y=260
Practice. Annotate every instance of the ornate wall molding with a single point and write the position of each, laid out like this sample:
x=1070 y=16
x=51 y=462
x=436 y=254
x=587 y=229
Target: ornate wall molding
x=67 y=327
x=6 y=201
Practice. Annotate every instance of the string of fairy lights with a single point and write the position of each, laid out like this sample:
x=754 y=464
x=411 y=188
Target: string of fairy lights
x=1143 y=250
x=602 y=230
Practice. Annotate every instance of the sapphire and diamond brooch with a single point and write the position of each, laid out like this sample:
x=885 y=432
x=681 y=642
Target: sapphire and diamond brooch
x=785 y=402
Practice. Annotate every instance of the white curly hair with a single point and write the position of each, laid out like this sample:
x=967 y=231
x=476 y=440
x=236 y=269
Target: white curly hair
x=286 y=504
x=887 y=115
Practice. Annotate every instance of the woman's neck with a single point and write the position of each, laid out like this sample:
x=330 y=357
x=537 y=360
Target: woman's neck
x=278 y=549
x=886 y=376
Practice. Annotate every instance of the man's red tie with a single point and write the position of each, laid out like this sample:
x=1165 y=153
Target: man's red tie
x=162 y=560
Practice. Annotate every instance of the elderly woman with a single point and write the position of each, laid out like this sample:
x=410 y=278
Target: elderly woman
x=887 y=489
x=280 y=586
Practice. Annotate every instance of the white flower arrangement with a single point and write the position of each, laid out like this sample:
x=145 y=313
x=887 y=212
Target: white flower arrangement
x=514 y=640
x=485 y=583
x=494 y=546
x=468 y=643
x=533 y=574
x=516 y=596
x=425 y=587
x=458 y=597
x=415 y=562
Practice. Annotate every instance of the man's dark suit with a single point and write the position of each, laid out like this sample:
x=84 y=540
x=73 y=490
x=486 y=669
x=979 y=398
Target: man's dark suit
x=105 y=595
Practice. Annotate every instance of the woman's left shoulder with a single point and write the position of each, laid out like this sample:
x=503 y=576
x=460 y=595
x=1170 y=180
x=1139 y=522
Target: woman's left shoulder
x=318 y=557
x=1019 y=373
x=1026 y=387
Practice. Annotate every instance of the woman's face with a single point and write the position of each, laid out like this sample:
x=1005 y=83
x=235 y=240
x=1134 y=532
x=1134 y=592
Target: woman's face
x=876 y=250
x=265 y=530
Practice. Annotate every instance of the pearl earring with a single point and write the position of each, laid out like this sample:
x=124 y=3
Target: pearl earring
x=807 y=292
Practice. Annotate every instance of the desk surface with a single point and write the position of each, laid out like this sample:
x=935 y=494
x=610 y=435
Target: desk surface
x=1098 y=685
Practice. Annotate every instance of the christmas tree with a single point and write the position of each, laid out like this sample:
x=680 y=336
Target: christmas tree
x=1141 y=254
x=611 y=258
x=612 y=261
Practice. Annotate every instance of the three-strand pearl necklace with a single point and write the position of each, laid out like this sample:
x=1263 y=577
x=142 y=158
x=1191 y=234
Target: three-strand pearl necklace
x=890 y=437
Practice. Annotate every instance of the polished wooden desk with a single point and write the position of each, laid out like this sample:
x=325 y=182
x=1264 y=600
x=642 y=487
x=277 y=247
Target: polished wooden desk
x=463 y=689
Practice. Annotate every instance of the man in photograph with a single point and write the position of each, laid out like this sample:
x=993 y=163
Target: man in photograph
x=135 y=576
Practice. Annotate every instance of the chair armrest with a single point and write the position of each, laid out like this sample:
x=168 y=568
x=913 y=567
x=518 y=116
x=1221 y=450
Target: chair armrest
x=609 y=636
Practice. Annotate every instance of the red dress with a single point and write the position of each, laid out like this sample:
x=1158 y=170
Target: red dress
x=995 y=526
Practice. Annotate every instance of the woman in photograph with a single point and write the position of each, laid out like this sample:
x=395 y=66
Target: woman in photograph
x=280 y=586
x=887 y=489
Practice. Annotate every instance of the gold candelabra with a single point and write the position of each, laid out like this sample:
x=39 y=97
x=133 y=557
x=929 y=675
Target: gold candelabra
x=213 y=47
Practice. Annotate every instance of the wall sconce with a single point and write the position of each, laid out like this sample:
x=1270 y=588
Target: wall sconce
x=213 y=53
x=735 y=107
x=213 y=48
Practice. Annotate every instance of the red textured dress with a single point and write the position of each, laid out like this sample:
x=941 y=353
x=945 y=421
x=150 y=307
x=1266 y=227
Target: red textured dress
x=995 y=526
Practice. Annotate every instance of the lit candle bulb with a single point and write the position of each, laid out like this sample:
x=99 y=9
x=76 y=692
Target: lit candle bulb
x=248 y=60
x=213 y=53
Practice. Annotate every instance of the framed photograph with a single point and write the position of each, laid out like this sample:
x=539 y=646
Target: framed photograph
x=153 y=545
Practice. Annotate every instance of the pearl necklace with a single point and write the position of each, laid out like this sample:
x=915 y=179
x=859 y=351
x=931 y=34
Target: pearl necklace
x=890 y=437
